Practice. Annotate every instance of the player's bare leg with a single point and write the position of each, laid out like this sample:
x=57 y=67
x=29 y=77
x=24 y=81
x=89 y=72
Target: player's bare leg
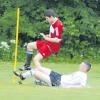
x=38 y=57
x=38 y=66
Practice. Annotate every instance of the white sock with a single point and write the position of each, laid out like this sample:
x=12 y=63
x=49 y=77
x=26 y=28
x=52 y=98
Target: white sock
x=29 y=73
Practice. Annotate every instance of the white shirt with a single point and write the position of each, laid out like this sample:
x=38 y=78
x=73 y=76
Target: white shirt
x=76 y=79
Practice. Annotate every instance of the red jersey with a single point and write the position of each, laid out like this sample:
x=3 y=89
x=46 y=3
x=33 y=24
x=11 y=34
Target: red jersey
x=47 y=48
x=56 y=30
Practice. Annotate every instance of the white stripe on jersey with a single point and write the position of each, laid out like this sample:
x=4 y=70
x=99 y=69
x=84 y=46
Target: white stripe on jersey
x=51 y=29
x=56 y=29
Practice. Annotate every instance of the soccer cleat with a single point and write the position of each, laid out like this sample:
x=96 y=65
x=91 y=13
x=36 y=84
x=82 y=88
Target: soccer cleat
x=37 y=82
x=40 y=82
x=18 y=75
x=23 y=68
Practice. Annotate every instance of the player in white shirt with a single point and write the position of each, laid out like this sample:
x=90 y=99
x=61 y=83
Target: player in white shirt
x=75 y=80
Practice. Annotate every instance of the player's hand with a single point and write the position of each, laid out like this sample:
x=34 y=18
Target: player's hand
x=42 y=35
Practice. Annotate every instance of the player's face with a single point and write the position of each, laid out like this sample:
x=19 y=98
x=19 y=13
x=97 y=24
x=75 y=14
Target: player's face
x=49 y=19
x=83 y=67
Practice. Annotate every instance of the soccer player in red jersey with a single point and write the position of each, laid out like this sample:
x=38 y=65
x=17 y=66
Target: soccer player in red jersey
x=50 y=43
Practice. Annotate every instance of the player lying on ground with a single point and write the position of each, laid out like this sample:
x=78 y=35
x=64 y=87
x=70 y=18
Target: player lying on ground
x=50 y=44
x=76 y=79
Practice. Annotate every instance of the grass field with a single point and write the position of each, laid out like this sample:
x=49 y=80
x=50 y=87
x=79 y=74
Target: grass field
x=29 y=91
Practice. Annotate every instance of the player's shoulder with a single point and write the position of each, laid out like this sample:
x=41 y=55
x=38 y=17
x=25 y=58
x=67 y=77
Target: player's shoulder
x=59 y=23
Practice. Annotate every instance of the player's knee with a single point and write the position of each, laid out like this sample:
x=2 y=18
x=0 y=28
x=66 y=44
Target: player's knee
x=29 y=46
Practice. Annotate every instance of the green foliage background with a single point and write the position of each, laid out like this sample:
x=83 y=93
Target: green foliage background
x=81 y=19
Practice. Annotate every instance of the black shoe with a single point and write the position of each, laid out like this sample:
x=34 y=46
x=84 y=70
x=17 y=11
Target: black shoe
x=18 y=75
x=40 y=82
x=23 y=68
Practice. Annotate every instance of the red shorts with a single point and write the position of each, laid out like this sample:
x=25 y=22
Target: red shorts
x=44 y=48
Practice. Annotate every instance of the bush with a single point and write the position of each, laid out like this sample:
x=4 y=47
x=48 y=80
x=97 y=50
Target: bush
x=81 y=36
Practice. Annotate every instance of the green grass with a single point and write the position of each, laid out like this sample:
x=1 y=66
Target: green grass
x=29 y=91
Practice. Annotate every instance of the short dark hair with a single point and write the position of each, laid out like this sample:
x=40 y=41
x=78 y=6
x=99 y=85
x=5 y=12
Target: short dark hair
x=88 y=64
x=49 y=13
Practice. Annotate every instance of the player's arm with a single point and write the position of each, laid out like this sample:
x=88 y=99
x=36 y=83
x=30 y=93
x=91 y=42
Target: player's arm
x=81 y=85
x=75 y=86
x=56 y=40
